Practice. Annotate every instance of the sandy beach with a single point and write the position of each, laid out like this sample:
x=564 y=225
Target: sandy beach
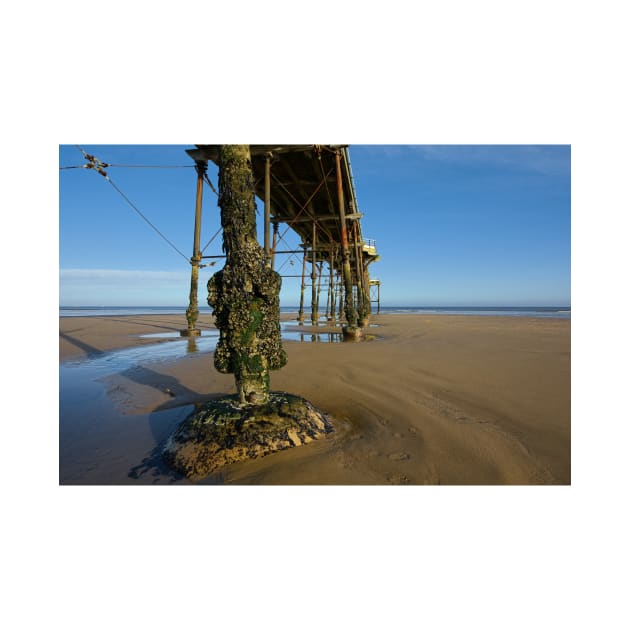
x=434 y=399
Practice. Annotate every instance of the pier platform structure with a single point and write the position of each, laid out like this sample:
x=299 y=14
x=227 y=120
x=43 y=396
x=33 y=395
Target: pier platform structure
x=310 y=190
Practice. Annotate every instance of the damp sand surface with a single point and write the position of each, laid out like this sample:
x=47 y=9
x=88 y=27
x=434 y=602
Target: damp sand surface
x=439 y=399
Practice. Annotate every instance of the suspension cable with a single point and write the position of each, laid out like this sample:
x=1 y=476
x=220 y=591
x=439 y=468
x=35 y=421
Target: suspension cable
x=210 y=241
x=99 y=167
x=147 y=220
x=61 y=168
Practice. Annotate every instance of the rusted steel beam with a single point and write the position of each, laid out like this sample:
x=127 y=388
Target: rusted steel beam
x=318 y=171
x=322 y=217
x=212 y=151
x=307 y=205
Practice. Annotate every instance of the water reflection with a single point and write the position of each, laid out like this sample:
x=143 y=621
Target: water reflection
x=192 y=345
x=206 y=342
x=321 y=337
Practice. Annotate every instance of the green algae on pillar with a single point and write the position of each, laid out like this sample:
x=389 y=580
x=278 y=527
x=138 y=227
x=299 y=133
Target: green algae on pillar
x=245 y=294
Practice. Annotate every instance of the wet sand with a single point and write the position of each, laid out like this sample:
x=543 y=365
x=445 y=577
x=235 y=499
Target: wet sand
x=436 y=399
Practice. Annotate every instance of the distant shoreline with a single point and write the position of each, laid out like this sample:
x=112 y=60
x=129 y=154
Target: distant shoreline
x=558 y=312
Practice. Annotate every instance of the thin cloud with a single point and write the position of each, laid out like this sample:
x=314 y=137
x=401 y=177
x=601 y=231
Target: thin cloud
x=551 y=160
x=121 y=275
x=542 y=159
x=124 y=287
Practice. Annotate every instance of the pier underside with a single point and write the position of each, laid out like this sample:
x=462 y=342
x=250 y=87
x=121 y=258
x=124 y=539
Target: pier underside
x=309 y=189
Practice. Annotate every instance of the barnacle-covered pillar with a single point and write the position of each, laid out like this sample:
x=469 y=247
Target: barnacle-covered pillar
x=245 y=293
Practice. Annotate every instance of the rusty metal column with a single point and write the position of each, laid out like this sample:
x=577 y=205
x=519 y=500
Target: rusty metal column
x=267 y=207
x=273 y=245
x=192 y=312
x=314 y=313
x=320 y=270
x=301 y=311
x=331 y=285
x=340 y=287
x=363 y=298
x=378 y=305
x=350 y=329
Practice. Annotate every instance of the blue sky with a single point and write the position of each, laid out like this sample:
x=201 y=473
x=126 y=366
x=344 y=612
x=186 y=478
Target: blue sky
x=455 y=225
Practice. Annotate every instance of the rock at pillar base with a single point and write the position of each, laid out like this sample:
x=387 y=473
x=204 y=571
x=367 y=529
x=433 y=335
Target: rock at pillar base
x=223 y=432
x=352 y=333
x=190 y=332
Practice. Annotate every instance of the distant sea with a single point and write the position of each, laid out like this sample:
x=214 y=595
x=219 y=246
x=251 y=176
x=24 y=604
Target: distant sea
x=558 y=312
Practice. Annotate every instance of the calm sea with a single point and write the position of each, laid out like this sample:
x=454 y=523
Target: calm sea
x=559 y=312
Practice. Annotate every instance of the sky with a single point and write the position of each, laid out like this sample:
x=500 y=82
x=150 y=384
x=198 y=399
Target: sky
x=455 y=225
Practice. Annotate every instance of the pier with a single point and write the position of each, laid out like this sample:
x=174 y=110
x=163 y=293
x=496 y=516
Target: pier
x=308 y=189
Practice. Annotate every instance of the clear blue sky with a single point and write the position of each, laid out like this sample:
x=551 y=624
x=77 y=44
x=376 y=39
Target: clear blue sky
x=455 y=225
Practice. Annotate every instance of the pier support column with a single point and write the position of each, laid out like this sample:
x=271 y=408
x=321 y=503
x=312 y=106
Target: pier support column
x=341 y=300
x=314 y=305
x=274 y=245
x=267 y=208
x=320 y=270
x=192 y=312
x=245 y=293
x=301 y=310
x=331 y=285
x=363 y=297
x=351 y=328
